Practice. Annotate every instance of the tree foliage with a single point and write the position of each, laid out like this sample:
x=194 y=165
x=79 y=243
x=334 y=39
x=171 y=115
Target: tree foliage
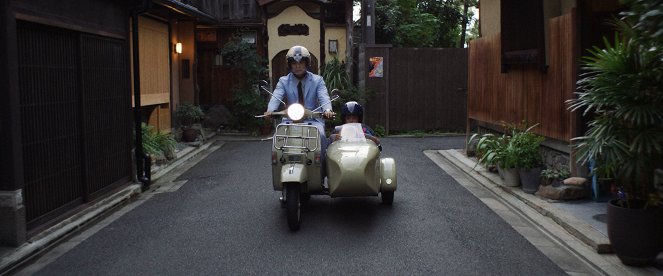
x=424 y=23
x=247 y=101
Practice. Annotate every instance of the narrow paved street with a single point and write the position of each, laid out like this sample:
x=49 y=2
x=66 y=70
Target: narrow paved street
x=226 y=219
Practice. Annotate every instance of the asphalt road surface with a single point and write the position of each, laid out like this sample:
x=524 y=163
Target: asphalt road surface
x=226 y=220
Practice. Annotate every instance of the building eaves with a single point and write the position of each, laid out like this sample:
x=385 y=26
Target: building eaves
x=267 y=2
x=187 y=10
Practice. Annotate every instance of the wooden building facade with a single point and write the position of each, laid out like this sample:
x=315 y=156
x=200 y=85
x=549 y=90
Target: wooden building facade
x=526 y=63
x=66 y=98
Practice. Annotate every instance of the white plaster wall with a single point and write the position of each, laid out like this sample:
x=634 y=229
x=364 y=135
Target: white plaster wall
x=336 y=33
x=291 y=16
x=489 y=14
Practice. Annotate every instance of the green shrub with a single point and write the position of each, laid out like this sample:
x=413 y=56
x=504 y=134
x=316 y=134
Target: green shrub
x=188 y=114
x=556 y=173
x=526 y=148
x=518 y=147
x=247 y=100
x=379 y=131
x=158 y=144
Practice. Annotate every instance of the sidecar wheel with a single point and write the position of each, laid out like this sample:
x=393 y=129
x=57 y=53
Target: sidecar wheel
x=387 y=197
x=304 y=198
x=293 y=207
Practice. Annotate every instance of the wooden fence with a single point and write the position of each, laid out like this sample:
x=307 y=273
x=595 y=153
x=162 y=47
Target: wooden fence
x=420 y=89
x=526 y=93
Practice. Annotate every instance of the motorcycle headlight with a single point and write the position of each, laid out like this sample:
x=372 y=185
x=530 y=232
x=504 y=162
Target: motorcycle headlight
x=296 y=112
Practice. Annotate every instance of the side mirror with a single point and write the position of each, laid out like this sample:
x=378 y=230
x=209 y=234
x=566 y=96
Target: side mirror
x=335 y=94
x=264 y=86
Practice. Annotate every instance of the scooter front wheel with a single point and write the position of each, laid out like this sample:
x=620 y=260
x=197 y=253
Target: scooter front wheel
x=387 y=197
x=293 y=206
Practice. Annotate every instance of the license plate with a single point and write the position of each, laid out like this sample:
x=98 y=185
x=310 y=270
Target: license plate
x=294 y=158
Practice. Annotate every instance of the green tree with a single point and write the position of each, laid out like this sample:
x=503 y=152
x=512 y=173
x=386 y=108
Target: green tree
x=427 y=23
x=247 y=101
x=449 y=20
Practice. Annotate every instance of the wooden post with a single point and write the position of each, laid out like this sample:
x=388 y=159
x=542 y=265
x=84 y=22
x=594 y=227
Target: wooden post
x=348 y=39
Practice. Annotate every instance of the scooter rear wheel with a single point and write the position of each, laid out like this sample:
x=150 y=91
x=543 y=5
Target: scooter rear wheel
x=293 y=206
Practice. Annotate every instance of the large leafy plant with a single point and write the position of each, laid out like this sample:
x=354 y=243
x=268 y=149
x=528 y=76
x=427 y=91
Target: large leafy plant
x=336 y=77
x=525 y=145
x=622 y=91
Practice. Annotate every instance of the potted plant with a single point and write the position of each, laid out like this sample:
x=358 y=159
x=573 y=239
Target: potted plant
x=621 y=89
x=508 y=164
x=488 y=148
x=188 y=114
x=554 y=175
x=528 y=159
x=497 y=150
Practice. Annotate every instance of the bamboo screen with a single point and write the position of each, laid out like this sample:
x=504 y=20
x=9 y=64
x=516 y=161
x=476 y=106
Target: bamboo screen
x=154 y=61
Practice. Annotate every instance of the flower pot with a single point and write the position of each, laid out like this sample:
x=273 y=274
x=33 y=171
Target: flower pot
x=635 y=234
x=511 y=177
x=499 y=171
x=530 y=178
x=189 y=134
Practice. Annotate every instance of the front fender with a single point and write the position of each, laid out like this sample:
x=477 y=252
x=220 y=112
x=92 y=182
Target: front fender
x=294 y=172
x=388 y=181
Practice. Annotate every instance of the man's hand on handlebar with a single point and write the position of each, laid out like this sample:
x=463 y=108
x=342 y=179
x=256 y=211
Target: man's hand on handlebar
x=328 y=114
x=268 y=115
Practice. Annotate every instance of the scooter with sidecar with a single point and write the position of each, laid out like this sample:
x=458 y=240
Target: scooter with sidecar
x=352 y=165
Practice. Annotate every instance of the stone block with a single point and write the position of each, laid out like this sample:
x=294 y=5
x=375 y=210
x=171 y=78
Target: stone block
x=563 y=192
x=575 y=181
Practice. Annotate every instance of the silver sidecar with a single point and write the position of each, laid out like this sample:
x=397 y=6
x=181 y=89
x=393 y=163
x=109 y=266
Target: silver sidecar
x=355 y=168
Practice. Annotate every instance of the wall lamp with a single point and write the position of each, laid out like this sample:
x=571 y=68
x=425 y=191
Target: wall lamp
x=178 y=47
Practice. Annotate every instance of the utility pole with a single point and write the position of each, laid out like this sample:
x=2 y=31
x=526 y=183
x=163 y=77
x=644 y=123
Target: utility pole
x=368 y=21
x=349 y=28
x=464 y=31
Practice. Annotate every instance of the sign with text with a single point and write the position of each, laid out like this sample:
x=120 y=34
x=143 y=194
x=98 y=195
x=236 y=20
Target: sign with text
x=297 y=29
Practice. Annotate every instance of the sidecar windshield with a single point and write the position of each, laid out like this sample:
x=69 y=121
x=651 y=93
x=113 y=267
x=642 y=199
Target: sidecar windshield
x=352 y=132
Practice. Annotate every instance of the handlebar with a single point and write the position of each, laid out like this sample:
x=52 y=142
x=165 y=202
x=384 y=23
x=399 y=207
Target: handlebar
x=310 y=114
x=293 y=114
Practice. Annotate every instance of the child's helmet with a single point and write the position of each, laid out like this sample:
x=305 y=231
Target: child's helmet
x=352 y=108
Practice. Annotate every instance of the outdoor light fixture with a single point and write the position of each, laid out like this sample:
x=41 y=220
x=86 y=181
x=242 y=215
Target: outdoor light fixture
x=178 y=47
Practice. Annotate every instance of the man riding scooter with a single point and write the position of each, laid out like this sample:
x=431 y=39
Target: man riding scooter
x=302 y=161
x=302 y=86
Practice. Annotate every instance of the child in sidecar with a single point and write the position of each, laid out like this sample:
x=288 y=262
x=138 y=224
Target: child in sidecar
x=354 y=165
x=353 y=112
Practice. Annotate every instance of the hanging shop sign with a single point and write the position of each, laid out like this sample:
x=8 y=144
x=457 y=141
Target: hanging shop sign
x=296 y=29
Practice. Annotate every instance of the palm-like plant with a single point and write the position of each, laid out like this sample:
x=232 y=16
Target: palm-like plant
x=157 y=143
x=623 y=89
x=490 y=148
